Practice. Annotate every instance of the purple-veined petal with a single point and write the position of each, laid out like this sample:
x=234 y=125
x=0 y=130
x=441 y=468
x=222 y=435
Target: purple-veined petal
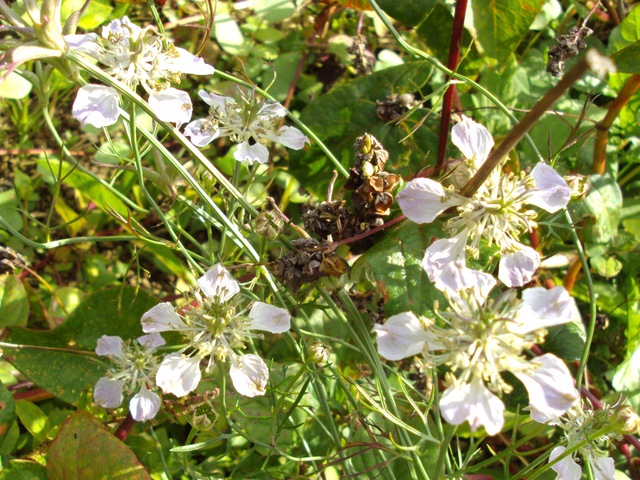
x=151 y=341
x=251 y=153
x=171 y=105
x=161 y=318
x=473 y=402
x=220 y=102
x=269 y=318
x=249 y=375
x=178 y=374
x=401 y=336
x=87 y=43
x=542 y=308
x=201 y=133
x=603 y=467
x=443 y=255
x=144 y=405
x=218 y=284
x=473 y=140
x=423 y=199
x=188 y=63
x=552 y=192
x=96 y=105
x=108 y=392
x=550 y=385
x=290 y=137
x=567 y=468
x=517 y=267
x=109 y=345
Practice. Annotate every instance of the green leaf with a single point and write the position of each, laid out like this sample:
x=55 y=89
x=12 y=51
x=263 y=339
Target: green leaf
x=408 y=12
x=81 y=441
x=33 y=419
x=22 y=470
x=599 y=214
x=624 y=43
x=347 y=112
x=502 y=24
x=7 y=411
x=567 y=341
x=67 y=371
x=627 y=378
x=395 y=262
x=14 y=303
x=606 y=267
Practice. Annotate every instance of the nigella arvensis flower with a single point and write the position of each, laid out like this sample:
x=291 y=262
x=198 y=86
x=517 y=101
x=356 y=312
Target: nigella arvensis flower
x=215 y=327
x=246 y=122
x=497 y=212
x=134 y=367
x=136 y=56
x=480 y=339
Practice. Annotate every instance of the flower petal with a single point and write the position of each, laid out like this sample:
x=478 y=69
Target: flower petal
x=201 y=132
x=87 y=43
x=402 y=335
x=542 y=308
x=517 y=267
x=188 y=63
x=290 y=137
x=474 y=403
x=473 y=140
x=552 y=192
x=178 y=374
x=220 y=102
x=109 y=346
x=269 y=318
x=171 y=105
x=442 y=256
x=108 y=392
x=603 y=466
x=161 y=318
x=218 y=284
x=550 y=386
x=251 y=153
x=423 y=199
x=144 y=405
x=96 y=105
x=250 y=375
x=151 y=341
x=567 y=468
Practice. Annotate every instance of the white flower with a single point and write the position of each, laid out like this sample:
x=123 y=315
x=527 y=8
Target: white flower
x=580 y=425
x=214 y=327
x=136 y=56
x=497 y=212
x=481 y=339
x=134 y=368
x=246 y=122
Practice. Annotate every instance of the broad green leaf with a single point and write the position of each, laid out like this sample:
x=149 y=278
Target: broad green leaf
x=66 y=372
x=395 y=261
x=7 y=411
x=14 y=303
x=606 y=266
x=33 y=419
x=624 y=43
x=502 y=24
x=349 y=111
x=274 y=10
x=81 y=441
x=84 y=184
x=627 y=378
x=22 y=470
x=566 y=341
x=278 y=77
x=408 y=12
x=96 y=13
x=599 y=214
x=15 y=86
x=10 y=210
x=228 y=33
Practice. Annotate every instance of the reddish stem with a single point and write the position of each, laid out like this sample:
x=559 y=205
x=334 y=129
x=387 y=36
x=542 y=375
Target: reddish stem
x=125 y=427
x=452 y=64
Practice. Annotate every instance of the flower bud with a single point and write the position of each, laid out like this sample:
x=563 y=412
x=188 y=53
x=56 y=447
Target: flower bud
x=319 y=353
x=625 y=420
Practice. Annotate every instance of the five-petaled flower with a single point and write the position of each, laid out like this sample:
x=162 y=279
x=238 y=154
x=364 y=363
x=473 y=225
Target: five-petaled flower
x=134 y=367
x=215 y=326
x=136 y=56
x=481 y=338
x=497 y=212
x=245 y=122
